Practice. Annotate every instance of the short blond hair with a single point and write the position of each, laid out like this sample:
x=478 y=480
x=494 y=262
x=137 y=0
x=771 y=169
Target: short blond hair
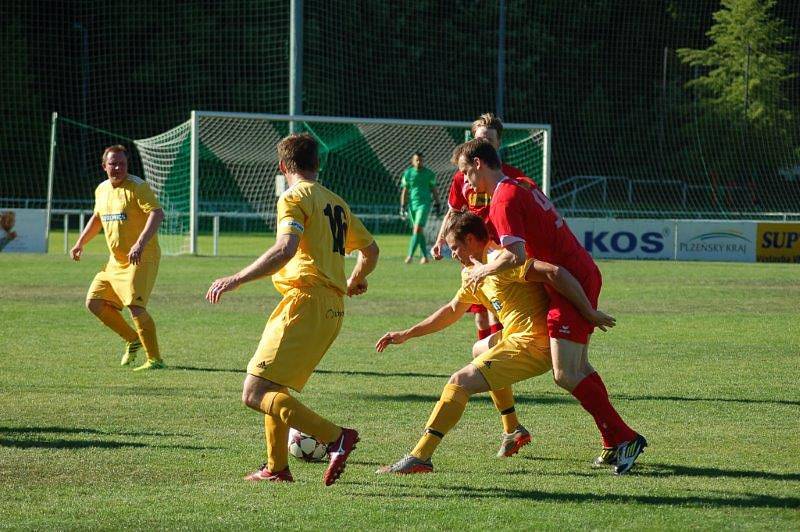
x=490 y=121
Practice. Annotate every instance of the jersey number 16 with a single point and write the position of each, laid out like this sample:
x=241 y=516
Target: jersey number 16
x=335 y=216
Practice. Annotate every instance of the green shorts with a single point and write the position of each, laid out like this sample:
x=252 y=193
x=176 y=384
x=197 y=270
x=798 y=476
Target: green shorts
x=418 y=215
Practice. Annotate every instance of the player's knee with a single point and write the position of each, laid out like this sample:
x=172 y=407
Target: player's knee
x=251 y=398
x=95 y=306
x=565 y=379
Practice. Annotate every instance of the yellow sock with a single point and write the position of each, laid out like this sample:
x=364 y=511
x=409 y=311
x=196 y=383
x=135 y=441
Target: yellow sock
x=295 y=414
x=276 y=434
x=147 y=334
x=444 y=417
x=112 y=318
x=503 y=400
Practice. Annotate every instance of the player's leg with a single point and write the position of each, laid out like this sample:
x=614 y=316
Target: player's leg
x=514 y=436
x=414 y=242
x=420 y=219
x=297 y=335
x=482 y=324
x=103 y=302
x=448 y=410
x=134 y=286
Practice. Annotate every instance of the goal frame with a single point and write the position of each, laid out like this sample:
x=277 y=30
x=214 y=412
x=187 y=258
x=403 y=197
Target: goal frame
x=194 y=167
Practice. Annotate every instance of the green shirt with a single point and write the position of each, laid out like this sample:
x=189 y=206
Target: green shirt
x=419 y=183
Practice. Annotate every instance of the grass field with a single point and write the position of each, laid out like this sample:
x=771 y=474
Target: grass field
x=705 y=362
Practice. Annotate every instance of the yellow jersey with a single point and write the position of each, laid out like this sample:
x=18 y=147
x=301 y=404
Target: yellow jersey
x=123 y=212
x=327 y=231
x=520 y=305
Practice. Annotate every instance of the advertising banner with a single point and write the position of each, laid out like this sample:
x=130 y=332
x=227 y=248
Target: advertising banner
x=606 y=238
x=778 y=242
x=716 y=241
x=23 y=230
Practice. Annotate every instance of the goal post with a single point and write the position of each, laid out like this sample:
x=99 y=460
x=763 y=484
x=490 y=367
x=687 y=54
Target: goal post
x=221 y=166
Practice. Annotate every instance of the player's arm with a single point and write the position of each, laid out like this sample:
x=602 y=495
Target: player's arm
x=365 y=265
x=562 y=280
x=154 y=220
x=436 y=204
x=270 y=262
x=91 y=230
x=436 y=250
x=404 y=202
x=441 y=319
x=509 y=257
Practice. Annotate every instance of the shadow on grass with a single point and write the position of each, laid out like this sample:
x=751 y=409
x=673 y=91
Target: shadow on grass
x=30 y=438
x=678 y=398
x=481 y=398
x=670 y=470
x=749 y=500
x=79 y=430
x=242 y=371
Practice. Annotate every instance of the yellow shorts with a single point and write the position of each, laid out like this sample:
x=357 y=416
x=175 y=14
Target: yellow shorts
x=298 y=333
x=514 y=358
x=123 y=286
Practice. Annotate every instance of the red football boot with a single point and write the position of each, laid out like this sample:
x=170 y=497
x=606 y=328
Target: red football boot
x=265 y=474
x=339 y=450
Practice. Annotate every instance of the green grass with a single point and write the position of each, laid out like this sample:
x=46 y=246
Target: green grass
x=705 y=362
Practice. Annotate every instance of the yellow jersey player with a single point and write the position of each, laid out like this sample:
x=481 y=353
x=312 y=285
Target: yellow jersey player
x=129 y=215
x=520 y=351
x=315 y=229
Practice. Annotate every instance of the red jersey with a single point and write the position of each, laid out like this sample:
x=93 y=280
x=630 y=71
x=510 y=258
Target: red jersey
x=463 y=195
x=517 y=213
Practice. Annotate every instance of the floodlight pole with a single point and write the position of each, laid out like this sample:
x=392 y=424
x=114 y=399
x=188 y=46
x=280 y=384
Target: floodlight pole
x=501 y=60
x=295 y=61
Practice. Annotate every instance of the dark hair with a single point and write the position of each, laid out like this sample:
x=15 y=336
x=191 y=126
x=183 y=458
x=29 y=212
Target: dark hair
x=299 y=152
x=477 y=148
x=463 y=223
x=116 y=148
x=418 y=154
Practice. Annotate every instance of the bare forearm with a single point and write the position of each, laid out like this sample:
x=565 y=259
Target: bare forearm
x=563 y=281
x=441 y=319
x=90 y=231
x=366 y=262
x=445 y=223
x=503 y=261
x=267 y=264
x=151 y=226
x=403 y=197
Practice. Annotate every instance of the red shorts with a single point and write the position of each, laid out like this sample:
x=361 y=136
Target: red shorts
x=564 y=320
x=475 y=308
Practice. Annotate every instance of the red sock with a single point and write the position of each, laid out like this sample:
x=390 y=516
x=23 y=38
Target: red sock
x=497 y=327
x=483 y=333
x=594 y=400
x=597 y=380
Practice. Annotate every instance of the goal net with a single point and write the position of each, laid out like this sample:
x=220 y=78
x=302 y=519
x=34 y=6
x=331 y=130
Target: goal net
x=224 y=166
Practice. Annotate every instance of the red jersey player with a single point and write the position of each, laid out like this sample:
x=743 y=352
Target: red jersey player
x=526 y=224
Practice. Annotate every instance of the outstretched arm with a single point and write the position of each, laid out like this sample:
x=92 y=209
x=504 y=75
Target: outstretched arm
x=441 y=319
x=436 y=250
x=271 y=261
x=563 y=281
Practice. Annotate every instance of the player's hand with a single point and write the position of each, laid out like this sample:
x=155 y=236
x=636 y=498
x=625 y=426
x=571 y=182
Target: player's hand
x=601 y=320
x=403 y=213
x=220 y=286
x=356 y=287
x=76 y=252
x=476 y=274
x=135 y=254
x=395 y=337
x=436 y=250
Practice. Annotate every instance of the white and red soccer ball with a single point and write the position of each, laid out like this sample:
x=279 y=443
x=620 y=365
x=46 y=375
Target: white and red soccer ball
x=306 y=447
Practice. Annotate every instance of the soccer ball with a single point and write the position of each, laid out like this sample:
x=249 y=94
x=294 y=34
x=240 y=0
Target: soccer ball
x=305 y=447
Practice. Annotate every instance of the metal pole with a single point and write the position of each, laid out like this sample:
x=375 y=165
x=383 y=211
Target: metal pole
x=51 y=170
x=295 y=61
x=66 y=233
x=546 y=158
x=193 y=183
x=84 y=93
x=501 y=60
x=215 y=237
